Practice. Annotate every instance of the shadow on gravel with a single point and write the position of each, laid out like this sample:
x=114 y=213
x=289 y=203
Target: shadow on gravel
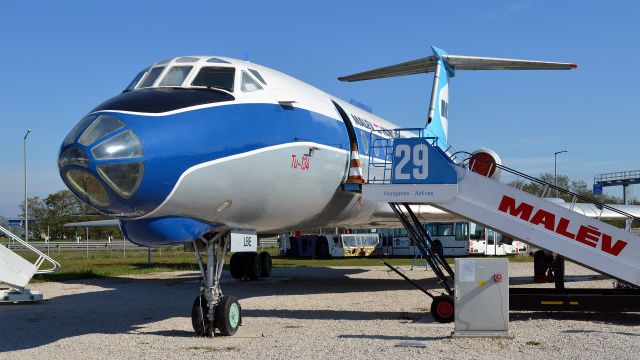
x=524 y=280
x=127 y=305
x=580 y=331
x=326 y=314
x=626 y=319
x=392 y=337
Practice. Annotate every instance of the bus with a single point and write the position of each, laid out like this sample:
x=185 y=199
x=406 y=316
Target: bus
x=486 y=241
x=330 y=245
x=460 y=238
x=450 y=238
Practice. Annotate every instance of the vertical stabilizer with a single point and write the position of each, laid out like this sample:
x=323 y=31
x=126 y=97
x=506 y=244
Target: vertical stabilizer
x=437 y=119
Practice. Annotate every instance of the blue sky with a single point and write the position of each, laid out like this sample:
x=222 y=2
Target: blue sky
x=60 y=59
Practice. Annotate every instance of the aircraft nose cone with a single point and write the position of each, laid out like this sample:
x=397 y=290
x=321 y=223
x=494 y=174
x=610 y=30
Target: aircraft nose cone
x=101 y=162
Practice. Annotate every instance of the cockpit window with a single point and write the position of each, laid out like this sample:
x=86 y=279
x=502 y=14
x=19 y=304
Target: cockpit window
x=136 y=80
x=248 y=84
x=215 y=77
x=175 y=76
x=151 y=77
x=218 y=61
x=258 y=76
x=186 y=59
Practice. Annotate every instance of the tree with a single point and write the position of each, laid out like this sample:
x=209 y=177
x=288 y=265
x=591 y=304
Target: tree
x=577 y=187
x=50 y=214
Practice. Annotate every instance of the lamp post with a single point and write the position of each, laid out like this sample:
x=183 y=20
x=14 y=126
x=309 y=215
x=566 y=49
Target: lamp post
x=555 y=168
x=26 y=204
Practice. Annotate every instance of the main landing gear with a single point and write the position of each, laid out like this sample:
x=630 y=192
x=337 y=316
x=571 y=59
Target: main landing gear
x=248 y=265
x=211 y=310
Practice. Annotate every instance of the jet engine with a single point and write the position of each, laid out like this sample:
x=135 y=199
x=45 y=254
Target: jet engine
x=484 y=162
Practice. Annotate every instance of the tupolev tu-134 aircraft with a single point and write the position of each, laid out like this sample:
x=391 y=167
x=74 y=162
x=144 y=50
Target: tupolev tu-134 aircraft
x=197 y=146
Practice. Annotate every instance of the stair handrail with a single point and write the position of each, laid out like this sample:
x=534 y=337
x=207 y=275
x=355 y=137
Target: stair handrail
x=42 y=257
x=549 y=186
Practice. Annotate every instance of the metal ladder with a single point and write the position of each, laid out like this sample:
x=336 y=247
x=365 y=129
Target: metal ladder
x=16 y=272
x=422 y=240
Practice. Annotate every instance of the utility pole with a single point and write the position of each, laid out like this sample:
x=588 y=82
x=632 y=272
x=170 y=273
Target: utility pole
x=555 y=169
x=26 y=203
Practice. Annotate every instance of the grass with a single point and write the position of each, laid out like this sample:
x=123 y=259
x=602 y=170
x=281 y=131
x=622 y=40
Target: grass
x=101 y=264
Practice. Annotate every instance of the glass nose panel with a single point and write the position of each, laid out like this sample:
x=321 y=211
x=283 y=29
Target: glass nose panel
x=76 y=130
x=73 y=156
x=88 y=187
x=101 y=126
x=123 y=145
x=123 y=178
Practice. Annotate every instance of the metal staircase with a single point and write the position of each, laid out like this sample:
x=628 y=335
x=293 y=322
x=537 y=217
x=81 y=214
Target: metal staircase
x=572 y=229
x=16 y=272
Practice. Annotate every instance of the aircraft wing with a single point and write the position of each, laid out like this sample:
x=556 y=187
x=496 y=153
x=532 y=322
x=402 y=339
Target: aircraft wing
x=95 y=223
x=456 y=62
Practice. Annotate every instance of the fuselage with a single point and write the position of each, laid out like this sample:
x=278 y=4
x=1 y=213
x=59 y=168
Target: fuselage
x=197 y=142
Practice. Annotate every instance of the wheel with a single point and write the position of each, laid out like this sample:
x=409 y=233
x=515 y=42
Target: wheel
x=293 y=247
x=228 y=315
x=267 y=264
x=322 y=248
x=437 y=248
x=539 y=266
x=199 y=319
x=442 y=309
x=236 y=265
x=253 y=266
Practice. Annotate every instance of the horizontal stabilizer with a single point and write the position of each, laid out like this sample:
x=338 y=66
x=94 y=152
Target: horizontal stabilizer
x=95 y=223
x=456 y=62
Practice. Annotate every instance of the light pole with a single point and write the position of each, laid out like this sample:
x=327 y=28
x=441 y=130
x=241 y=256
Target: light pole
x=26 y=203
x=555 y=168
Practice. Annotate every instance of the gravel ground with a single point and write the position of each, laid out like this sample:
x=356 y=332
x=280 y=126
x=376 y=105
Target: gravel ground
x=341 y=312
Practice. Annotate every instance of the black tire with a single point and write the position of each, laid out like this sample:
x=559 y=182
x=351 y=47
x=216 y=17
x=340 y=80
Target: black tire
x=539 y=266
x=293 y=247
x=199 y=319
x=237 y=265
x=253 y=266
x=228 y=315
x=322 y=248
x=442 y=309
x=438 y=249
x=267 y=264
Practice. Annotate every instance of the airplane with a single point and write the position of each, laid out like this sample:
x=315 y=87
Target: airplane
x=197 y=146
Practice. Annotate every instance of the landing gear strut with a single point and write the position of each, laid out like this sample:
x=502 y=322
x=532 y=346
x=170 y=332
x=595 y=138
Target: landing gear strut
x=211 y=309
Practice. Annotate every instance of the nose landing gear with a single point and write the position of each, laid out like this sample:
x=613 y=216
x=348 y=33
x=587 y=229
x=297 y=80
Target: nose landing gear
x=211 y=310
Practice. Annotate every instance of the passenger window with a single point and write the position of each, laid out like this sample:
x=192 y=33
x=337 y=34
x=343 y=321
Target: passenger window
x=151 y=76
x=462 y=231
x=445 y=229
x=248 y=84
x=175 y=76
x=258 y=76
x=215 y=77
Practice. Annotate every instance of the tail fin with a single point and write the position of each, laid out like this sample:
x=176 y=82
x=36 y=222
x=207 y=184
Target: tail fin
x=437 y=118
x=444 y=67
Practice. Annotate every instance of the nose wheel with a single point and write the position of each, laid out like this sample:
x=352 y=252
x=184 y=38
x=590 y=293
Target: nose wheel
x=211 y=310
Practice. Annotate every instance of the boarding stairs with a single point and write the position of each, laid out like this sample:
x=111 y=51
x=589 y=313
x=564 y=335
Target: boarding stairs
x=550 y=225
x=16 y=271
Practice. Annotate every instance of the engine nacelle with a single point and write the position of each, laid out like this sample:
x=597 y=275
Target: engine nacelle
x=484 y=161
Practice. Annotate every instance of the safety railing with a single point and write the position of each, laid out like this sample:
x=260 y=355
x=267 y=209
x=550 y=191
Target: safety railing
x=620 y=176
x=546 y=188
x=42 y=257
x=381 y=150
